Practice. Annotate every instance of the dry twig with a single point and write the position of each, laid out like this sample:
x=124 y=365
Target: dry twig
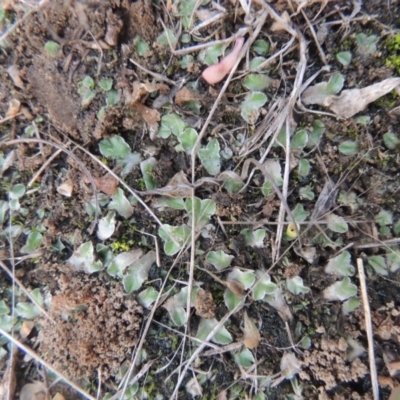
x=368 y=328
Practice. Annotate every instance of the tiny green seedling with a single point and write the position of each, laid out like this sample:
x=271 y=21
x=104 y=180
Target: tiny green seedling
x=393 y=260
x=106 y=226
x=83 y=259
x=391 y=140
x=121 y=204
x=211 y=54
x=166 y=38
x=299 y=213
x=295 y=285
x=171 y=123
x=146 y=167
x=147 y=297
x=263 y=286
x=304 y=167
x=250 y=107
x=175 y=237
x=315 y=134
x=366 y=45
x=350 y=305
x=245 y=279
x=219 y=259
x=116 y=148
x=33 y=242
x=222 y=336
x=378 y=263
x=232 y=182
x=384 y=218
x=344 y=57
x=245 y=358
x=337 y=223
x=203 y=210
x=318 y=93
x=117 y=266
x=261 y=47
x=138 y=272
x=86 y=90
x=177 y=304
x=340 y=291
x=142 y=48
x=255 y=63
x=256 y=82
x=254 y=238
x=349 y=147
x=340 y=265
x=188 y=139
x=106 y=84
x=15 y=193
x=52 y=49
x=210 y=157
x=306 y=193
x=299 y=140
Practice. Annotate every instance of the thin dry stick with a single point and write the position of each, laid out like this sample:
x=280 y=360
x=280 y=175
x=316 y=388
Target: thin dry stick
x=8 y=118
x=285 y=186
x=321 y=52
x=206 y=23
x=32 y=354
x=191 y=277
x=368 y=328
x=43 y=167
x=158 y=77
x=384 y=243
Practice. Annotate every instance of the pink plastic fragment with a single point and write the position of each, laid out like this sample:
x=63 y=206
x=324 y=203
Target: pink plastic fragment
x=215 y=73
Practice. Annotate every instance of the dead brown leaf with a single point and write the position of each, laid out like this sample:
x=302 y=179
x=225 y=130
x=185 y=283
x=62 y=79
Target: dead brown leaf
x=107 y=184
x=184 y=95
x=15 y=75
x=277 y=26
x=352 y=101
x=141 y=89
x=151 y=116
x=13 y=108
x=26 y=329
x=204 y=304
x=114 y=26
x=252 y=335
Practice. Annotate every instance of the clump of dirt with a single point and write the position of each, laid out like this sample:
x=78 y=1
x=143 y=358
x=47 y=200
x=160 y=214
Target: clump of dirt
x=51 y=89
x=327 y=363
x=95 y=326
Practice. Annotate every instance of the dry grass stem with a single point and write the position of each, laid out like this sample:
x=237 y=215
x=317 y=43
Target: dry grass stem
x=43 y=167
x=368 y=328
x=158 y=77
